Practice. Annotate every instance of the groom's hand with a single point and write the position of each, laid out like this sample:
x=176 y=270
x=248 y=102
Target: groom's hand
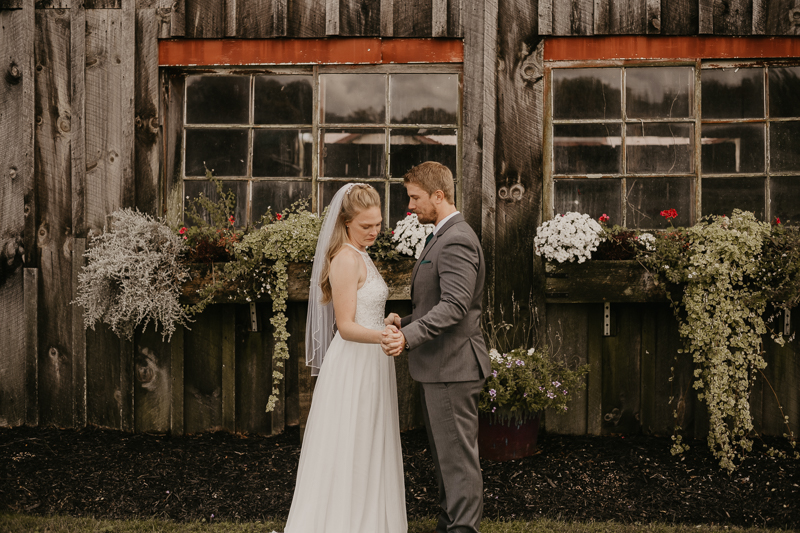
x=392 y=341
x=392 y=320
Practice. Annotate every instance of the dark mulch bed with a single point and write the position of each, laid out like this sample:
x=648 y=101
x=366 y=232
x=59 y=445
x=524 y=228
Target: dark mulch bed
x=109 y=474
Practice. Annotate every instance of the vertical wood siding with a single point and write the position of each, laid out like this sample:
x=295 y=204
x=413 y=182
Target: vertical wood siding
x=88 y=126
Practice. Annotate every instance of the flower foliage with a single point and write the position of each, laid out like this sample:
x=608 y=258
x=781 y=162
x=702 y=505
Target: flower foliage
x=719 y=275
x=133 y=276
x=526 y=381
x=409 y=235
x=568 y=237
x=213 y=231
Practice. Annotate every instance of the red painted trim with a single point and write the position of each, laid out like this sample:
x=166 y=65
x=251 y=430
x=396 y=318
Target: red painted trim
x=334 y=51
x=657 y=47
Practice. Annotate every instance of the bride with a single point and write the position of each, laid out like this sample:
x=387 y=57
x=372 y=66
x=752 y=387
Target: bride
x=350 y=476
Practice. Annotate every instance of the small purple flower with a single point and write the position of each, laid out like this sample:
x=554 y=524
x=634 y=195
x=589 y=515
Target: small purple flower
x=509 y=364
x=494 y=409
x=541 y=389
x=494 y=373
x=525 y=395
x=565 y=392
x=556 y=384
x=565 y=407
x=520 y=363
x=492 y=393
x=550 y=395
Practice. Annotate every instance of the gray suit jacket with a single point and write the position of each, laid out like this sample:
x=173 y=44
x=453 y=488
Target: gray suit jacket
x=444 y=330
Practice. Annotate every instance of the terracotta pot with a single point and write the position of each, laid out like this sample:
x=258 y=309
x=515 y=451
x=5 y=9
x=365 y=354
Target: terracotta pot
x=500 y=440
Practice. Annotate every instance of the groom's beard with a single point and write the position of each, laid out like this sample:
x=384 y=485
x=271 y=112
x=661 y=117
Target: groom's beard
x=427 y=218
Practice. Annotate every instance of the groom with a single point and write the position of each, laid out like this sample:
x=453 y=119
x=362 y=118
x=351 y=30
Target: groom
x=447 y=353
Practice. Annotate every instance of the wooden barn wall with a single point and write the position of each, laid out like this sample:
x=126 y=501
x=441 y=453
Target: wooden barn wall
x=84 y=125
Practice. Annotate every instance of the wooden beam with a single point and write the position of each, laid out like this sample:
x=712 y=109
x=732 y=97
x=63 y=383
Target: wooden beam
x=488 y=183
x=734 y=17
x=601 y=281
x=653 y=17
x=575 y=17
x=545 y=17
x=680 y=17
x=77 y=114
x=412 y=18
x=359 y=17
x=257 y=19
x=759 y=23
x=332 y=17
x=31 y=347
x=229 y=368
x=205 y=19
x=472 y=175
x=706 y=17
x=126 y=393
x=176 y=382
x=594 y=356
x=78 y=339
x=306 y=18
x=439 y=18
x=147 y=141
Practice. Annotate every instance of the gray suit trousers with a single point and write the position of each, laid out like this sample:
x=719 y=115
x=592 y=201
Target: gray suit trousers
x=450 y=411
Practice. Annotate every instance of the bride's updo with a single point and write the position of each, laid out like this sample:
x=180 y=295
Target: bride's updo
x=359 y=198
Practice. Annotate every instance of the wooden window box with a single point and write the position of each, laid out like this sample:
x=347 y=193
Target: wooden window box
x=397 y=275
x=600 y=281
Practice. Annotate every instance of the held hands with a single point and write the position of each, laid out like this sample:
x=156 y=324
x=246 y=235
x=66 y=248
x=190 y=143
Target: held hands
x=392 y=320
x=392 y=339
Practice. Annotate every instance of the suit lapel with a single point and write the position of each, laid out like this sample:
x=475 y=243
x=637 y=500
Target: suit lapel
x=457 y=218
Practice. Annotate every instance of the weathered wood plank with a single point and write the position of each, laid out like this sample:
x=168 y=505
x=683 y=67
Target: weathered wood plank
x=306 y=18
x=679 y=17
x=481 y=188
x=109 y=112
x=205 y=19
x=16 y=185
x=387 y=18
x=439 y=18
x=147 y=147
x=472 y=173
x=594 y=356
x=171 y=15
x=733 y=17
x=621 y=372
x=518 y=161
x=396 y=273
x=54 y=213
x=103 y=393
x=11 y=4
x=620 y=17
x=77 y=122
x=31 y=347
x=260 y=18
x=305 y=382
x=253 y=365
x=297 y=348
x=648 y=366
x=759 y=24
x=781 y=393
x=176 y=381
x=567 y=337
x=78 y=339
x=782 y=17
x=546 y=17
x=653 y=16
x=600 y=281
x=360 y=17
x=203 y=372
x=575 y=17
x=455 y=18
x=49 y=4
x=172 y=125
x=674 y=376
x=706 y=16
x=102 y=4
x=126 y=385
x=332 y=17
x=152 y=392
x=229 y=367
x=412 y=18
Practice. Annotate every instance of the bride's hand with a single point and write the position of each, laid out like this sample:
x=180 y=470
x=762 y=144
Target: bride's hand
x=392 y=319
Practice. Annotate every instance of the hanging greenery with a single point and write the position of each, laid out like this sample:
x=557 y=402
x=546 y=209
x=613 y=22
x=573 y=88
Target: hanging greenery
x=719 y=276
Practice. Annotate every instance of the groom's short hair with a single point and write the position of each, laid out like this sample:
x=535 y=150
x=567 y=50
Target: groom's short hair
x=431 y=176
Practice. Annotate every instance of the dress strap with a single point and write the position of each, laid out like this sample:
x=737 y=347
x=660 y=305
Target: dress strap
x=354 y=248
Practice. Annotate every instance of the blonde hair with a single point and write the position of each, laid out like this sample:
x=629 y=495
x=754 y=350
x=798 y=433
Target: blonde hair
x=359 y=198
x=431 y=176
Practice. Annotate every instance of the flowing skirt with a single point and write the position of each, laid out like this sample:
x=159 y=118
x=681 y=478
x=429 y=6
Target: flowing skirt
x=350 y=476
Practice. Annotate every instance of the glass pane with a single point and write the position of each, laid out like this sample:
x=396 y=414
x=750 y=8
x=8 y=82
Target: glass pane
x=660 y=92
x=217 y=99
x=732 y=93
x=732 y=148
x=647 y=197
x=279 y=153
x=398 y=203
x=587 y=93
x=224 y=152
x=192 y=189
x=784 y=194
x=587 y=148
x=784 y=145
x=424 y=98
x=661 y=148
x=275 y=196
x=327 y=189
x=353 y=98
x=353 y=153
x=722 y=195
x=283 y=100
x=412 y=147
x=784 y=88
x=594 y=197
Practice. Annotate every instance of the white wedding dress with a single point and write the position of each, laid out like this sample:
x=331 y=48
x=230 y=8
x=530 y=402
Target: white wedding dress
x=350 y=476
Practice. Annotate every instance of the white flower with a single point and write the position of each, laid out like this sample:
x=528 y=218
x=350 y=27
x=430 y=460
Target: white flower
x=410 y=235
x=648 y=241
x=568 y=237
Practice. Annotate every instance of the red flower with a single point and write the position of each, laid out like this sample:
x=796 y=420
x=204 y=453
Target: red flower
x=408 y=213
x=230 y=219
x=185 y=237
x=278 y=216
x=182 y=231
x=777 y=220
x=604 y=218
x=669 y=213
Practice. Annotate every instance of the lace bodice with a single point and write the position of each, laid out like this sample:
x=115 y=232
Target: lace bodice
x=371 y=297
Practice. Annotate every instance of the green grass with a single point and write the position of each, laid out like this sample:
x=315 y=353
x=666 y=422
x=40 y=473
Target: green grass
x=19 y=523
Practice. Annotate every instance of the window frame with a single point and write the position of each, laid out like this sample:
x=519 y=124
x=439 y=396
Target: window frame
x=588 y=56
x=317 y=125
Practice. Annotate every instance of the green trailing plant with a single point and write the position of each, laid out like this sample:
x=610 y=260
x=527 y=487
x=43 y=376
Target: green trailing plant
x=212 y=232
x=384 y=248
x=133 y=276
x=719 y=275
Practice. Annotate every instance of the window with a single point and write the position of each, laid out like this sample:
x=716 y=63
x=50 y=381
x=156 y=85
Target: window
x=630 y=139
x=275 y=136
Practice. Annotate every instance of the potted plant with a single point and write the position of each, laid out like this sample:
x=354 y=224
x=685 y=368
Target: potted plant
x=523 y=383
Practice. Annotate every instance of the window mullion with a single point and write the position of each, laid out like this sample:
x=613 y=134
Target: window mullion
x=623 y=141
x=698 y=119
x=316 y=145
x=767 y=162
